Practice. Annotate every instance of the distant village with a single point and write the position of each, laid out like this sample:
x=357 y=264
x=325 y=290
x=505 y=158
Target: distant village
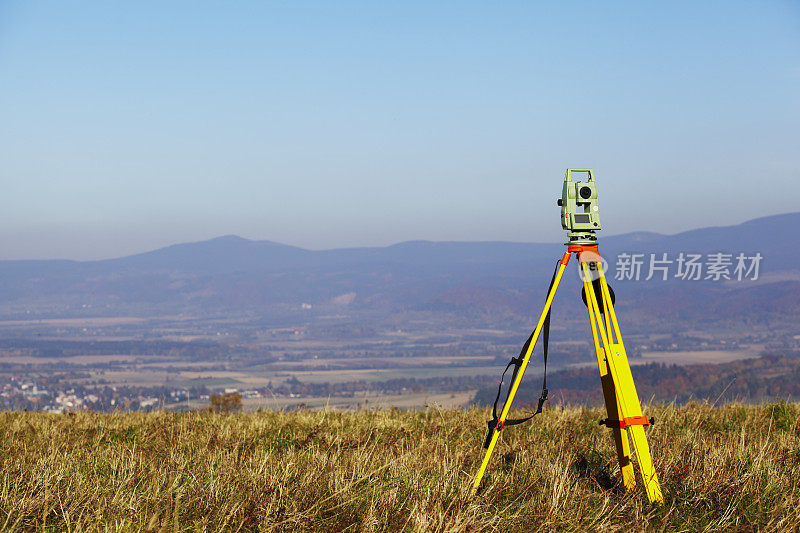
x=55 y=395
x=25 y=393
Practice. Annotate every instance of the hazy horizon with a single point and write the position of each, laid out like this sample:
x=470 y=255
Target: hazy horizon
x=602 y=235
x=127 y=128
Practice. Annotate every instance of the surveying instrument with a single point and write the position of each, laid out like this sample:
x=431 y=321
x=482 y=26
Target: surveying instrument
x=579 y=216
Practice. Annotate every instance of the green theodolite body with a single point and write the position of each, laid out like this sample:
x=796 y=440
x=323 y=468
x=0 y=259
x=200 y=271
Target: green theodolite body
x=579 y=212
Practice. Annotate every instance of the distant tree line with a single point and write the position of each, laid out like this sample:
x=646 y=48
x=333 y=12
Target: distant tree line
x=391 y=386
x=771 y=376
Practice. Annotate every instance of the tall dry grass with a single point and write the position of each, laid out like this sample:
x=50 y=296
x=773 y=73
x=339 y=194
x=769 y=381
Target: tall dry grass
x=720 y=468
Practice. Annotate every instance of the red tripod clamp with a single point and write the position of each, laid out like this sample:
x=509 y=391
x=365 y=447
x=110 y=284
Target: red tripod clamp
x=627 y=422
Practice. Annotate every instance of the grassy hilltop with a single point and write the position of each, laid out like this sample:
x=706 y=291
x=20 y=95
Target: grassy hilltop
x=721 y=468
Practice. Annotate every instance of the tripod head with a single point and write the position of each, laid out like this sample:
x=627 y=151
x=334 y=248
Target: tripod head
x=579 y=211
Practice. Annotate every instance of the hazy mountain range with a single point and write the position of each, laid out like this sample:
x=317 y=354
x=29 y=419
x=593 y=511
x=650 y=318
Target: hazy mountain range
x=230 y=274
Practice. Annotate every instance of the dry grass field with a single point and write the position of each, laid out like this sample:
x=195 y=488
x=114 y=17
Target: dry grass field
x=410 y=400
x=729 y=468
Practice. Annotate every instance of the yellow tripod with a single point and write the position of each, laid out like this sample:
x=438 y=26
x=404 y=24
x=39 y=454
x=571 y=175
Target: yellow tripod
x=622 y=402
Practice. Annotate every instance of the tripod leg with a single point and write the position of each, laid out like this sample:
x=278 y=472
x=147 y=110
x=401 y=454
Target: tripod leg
x=610 y=395
x=621 y=371
x=515 y=385
x=625 y=390
x=620 y=435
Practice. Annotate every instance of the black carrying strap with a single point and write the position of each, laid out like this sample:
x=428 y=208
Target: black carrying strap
x=516 y=362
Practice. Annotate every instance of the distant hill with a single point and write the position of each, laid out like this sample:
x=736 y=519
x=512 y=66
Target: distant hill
x=232 y=274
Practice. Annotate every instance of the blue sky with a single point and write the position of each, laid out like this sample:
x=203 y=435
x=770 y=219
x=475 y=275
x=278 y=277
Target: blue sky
x=125 y=127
